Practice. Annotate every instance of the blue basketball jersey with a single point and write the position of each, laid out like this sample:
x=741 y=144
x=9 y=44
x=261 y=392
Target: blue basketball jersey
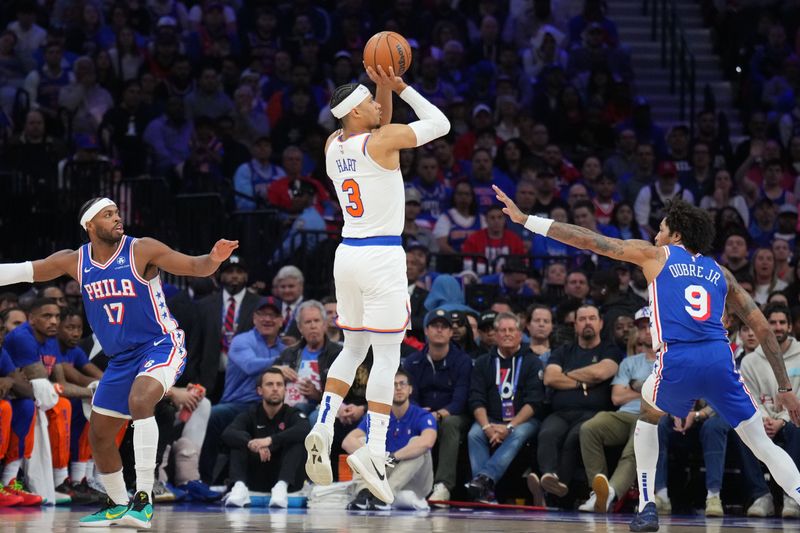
x=124 y=310
x=687 y=299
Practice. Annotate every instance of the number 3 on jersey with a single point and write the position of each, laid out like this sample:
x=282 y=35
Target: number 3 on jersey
x=699 y=301
x=355 y=208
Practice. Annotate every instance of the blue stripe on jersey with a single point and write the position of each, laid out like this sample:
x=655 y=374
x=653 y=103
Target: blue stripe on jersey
x=124 y=310
x=688 y=298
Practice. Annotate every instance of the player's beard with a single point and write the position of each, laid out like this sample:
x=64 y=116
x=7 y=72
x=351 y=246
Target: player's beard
x=107 y=236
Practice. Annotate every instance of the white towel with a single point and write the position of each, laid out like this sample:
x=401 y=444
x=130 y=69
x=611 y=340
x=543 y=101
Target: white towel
x=39 y=468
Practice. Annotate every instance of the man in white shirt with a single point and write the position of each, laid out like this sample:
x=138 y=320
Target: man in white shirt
x=30 y=36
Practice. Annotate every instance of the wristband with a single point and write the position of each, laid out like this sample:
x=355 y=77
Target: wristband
x=539 y=225
x=486 y=426
x=784 y=389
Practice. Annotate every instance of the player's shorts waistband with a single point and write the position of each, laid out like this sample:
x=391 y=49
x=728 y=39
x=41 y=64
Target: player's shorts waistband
x=386 y=240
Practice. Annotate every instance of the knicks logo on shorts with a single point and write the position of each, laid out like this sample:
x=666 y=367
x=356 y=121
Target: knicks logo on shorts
x=149 y=363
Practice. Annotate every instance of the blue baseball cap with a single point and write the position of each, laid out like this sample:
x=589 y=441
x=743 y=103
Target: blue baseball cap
x=437 y=314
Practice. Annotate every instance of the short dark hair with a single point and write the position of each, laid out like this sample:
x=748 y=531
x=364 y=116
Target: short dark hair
x=535 y=307
x=270 y=370
x=71 y=311
x=38 y=303
x=342 y=92
x=694 y=224
x=403 y=372
x=775 y=307
x=584 y=203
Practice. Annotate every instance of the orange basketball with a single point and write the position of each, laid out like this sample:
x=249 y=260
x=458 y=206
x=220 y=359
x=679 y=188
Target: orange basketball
x=388 y=49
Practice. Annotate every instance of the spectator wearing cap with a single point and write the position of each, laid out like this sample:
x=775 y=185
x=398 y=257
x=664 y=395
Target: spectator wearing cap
x=441 y=376
x=252 y=179
x=84 y=98
x=167 y=138
x=511 y=280
x=305 y=365
x=762 y=223
x=496 y=240
x=506 y=394
x=463 y=333
x=486 y=332
x=249 y=354
x=306 y=231
x=615 y=428
x=482 y=118
x=460 y=221
x=416 y=270
x=413 y=230
x=580 y=375
x=221 y=315
x=643 y=173
x=652 y=200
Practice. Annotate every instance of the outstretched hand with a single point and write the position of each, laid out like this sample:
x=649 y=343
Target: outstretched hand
x=790 y=402
x=223 y=250
x=510 y=208
x=382 y=79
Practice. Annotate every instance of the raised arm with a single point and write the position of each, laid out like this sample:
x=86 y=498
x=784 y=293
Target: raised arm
x=150 y=252
x=52 y=267
x=634 y=251
x=740 y=303
x=383 y=94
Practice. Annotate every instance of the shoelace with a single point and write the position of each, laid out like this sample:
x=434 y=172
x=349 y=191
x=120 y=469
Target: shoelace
x=17 y=486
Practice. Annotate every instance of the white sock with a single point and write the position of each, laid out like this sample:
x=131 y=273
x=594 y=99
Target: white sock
x=114 y=484
x=611 y=494
x=328 y=409
x=145 y=443
x=377 y=426
x=663 y=494
x=59 y=476
x=645 y=447
x=712 y=494
x=280 y=485
x=77 y=471
x=11 y=470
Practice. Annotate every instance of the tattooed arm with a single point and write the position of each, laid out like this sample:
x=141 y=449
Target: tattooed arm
x=740 y=303
x=634 y=251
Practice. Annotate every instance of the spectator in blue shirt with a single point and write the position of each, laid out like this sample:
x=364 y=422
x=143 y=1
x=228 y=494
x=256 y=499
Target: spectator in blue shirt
x=440 y=373
x=511 y=280
x=434 y=194
x=252 y=179
x=249 y=354
x=409 y=439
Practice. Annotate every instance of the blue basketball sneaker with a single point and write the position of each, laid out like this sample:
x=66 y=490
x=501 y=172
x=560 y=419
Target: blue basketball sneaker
x=109 y=515
x=646 y=519
x=140 y=512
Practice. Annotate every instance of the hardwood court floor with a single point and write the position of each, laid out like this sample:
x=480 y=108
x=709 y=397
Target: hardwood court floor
x=192 y=518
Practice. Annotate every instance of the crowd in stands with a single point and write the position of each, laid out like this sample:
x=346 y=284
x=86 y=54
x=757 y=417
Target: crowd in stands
x=525 y=356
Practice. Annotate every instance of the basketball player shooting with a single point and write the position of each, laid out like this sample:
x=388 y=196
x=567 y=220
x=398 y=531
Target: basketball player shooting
x=127 y=310
x=363 y=160
x=689 y=293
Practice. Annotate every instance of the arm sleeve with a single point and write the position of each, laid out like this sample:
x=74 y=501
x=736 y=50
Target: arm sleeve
x=237 y=434
x=296 y=430
x=432 y=123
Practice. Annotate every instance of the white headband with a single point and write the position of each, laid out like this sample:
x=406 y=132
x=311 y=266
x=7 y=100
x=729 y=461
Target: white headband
x=353 y=99
x=94 y=209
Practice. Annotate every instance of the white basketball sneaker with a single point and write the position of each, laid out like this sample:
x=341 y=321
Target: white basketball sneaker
x=318 y=461
x=372 y=470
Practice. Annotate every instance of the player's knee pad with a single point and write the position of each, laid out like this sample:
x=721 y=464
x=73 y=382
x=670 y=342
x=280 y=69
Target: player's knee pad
x=356 y=345
x=648 y=390
x=385 y=362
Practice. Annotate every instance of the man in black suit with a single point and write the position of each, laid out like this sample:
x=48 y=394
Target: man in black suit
x=220 y=316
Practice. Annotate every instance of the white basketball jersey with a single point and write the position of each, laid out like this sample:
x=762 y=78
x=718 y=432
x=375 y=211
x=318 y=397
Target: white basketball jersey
x=372 y=197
